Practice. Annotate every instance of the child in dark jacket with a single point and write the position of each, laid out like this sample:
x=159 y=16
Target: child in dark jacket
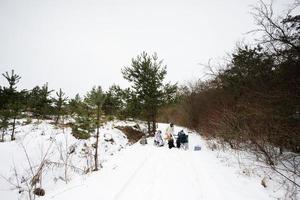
x=182 y=139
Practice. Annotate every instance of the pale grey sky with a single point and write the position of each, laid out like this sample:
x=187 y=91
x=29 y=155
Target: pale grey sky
x=76 y=44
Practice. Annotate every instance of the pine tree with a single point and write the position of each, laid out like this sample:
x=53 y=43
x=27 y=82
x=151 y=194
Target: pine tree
x=83 y=116
x=3 y=115
x=132 y=108
x=39 y=101
x=4 y=123
x=12 y=79
x=95 y=99
x=14 y=101
x=73 y=104
x=113 y=103
x=147 y=74
x=59 y=103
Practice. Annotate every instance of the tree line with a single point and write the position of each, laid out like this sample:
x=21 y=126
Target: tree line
x=142 y=100
x=253 y=101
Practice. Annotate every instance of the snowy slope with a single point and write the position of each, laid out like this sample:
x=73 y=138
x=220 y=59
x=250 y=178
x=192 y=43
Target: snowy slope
x=154 y=173
x=43 y=140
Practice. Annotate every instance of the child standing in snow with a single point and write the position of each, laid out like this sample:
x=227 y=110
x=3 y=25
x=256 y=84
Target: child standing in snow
x=169 y=136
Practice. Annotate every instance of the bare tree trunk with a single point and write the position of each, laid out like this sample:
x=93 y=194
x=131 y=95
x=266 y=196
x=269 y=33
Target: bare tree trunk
x=149 y=127
x=13 y=129
x=97 y=139
x=58 y=114
x=153 y=126
x=66 y=169
x=3 y=132
x=57 y=119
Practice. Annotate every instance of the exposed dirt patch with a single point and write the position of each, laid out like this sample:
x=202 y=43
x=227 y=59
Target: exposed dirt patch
x=39 y=191
x=133 y=135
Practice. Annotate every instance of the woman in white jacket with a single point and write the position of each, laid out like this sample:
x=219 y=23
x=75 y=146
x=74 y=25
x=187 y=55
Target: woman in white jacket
x=169 y=136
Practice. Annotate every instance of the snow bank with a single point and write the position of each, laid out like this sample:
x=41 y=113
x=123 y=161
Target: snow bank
x=64 y=156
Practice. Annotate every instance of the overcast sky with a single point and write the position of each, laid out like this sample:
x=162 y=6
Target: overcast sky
x=76 y=44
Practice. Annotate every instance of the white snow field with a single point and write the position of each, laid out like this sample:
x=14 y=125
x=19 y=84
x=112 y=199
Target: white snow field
x=43 y=140
x=129 y=172
x=158 y=173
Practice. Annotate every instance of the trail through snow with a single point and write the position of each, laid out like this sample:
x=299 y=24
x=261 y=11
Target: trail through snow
x=158 y=173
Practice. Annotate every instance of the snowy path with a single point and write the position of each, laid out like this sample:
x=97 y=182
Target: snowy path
x=151 y=173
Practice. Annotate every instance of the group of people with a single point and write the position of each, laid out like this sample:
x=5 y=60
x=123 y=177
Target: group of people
x=181 y=139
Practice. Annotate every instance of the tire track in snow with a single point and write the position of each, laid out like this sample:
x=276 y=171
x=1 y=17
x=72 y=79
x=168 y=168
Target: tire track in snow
x=191 y=167
x=131 y=178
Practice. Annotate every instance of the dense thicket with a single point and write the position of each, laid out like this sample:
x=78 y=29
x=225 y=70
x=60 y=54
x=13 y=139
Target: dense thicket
x=253 y=102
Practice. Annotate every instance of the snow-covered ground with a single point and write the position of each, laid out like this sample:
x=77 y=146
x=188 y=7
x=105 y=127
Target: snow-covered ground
x=154 y=173
x=132 y=172
x=64 y=156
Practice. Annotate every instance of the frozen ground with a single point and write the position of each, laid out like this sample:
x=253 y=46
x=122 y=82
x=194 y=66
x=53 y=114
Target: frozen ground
x=65 y=157
x=154 y=173
x=129 y=172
